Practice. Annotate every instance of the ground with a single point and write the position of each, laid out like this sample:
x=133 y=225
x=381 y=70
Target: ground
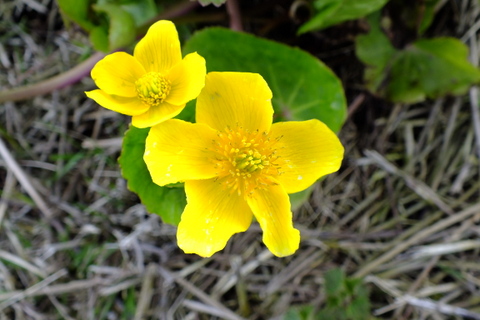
x=402 y=213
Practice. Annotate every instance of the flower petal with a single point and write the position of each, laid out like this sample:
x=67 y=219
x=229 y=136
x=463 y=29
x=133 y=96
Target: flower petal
x=117 y=73
x=231 y=99
x=271 y=207
x=187 y=79
x=156 y=114
x=159 y=50
x=307 y=150
x=211 y=217
x=177 y=151
x=124 y=105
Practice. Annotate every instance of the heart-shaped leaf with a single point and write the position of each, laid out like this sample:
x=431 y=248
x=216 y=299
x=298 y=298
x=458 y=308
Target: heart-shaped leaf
x=303 y=87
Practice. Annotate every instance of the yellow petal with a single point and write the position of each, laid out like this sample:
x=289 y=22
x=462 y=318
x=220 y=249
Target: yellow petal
x=187 y=79
x=235 y=98
x=124 y=105
x=159 y=50
x=156 y=114
x=177 y=151
x=307 y=150
x=271 y=207
x=211 y=217
x=117 y=73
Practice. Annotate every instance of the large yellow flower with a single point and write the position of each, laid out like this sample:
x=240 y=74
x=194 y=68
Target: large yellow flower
x=235 y=164
x=155 y=83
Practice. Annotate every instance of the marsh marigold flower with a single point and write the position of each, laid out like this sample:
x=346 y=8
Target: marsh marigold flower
x=236 y=164
x=155 y=83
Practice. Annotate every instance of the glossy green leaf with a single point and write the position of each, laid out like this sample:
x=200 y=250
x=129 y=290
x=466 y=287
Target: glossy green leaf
x=331 y=12
x=428 y=68
x=77 y=11
x=167 y=202
x=122 y=30
x=303 y=87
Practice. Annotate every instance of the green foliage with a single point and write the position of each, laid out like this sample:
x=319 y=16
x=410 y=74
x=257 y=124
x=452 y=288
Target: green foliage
x=303 y=87
x=216 y=3
x=427 y=68
x=111 y=24
x=121 y=31
x=167 y=202
x=299 y=198
x=130 y=304
x=76 y=11
x=141 y=11
x=331 y=12
x=346 y=299
x=428 y=15
x=302 y=313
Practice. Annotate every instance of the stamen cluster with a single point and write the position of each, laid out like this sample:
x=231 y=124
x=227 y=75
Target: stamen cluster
x=152 y=88
x=245 y=160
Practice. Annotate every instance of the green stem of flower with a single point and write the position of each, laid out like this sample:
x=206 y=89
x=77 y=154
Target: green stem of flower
x=81 y=70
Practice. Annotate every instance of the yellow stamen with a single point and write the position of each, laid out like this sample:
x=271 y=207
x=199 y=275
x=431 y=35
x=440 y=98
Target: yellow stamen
x=153 y=88
x=246 y=160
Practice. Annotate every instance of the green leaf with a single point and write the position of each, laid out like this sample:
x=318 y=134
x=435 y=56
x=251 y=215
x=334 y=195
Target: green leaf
x=331 y=12
x=167 y=202
x=428 y=68
x=303 y=87
x=216 y=3
x=77 y=11
x=299 y=198
x=188 y=113
x=428 y=15
x=374 y=48
x=99 y=38
x=121 y=31
x=334 y=281
x=142 y=11
x=359 y=309
x=299 y=313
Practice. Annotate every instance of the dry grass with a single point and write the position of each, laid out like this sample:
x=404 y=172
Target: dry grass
x=403 y=212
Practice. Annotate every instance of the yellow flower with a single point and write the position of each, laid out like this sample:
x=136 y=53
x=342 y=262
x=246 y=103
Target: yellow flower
x=235 y=164
x=155 y=83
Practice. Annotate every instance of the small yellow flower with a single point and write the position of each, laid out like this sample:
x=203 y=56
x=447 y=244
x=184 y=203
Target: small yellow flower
x=155 y=83
x=236 y=164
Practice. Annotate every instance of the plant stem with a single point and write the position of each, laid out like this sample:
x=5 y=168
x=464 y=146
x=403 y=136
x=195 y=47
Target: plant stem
x=57 y=82
x=233 y=10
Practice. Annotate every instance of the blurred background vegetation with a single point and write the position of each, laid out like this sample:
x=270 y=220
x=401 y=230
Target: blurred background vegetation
x=393 y=235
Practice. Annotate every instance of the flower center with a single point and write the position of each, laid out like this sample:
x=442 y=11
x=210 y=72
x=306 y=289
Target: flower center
x=246 y=160
x=152 y=88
